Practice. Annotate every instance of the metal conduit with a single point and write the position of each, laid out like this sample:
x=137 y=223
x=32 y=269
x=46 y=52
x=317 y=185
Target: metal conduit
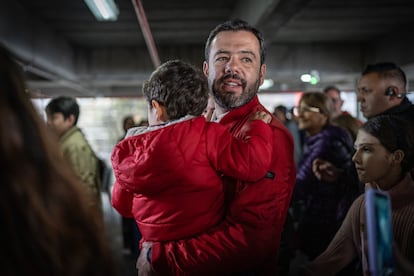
x=142 y=19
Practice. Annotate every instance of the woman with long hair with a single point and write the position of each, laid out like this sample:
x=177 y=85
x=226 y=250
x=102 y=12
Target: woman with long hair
x=47 y=227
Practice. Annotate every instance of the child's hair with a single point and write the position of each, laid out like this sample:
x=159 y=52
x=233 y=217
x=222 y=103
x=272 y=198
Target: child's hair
x=394 y=133
x=178 y=86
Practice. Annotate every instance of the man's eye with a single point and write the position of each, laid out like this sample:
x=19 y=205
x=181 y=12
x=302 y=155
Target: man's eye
x=247 y=59
x=221 y=59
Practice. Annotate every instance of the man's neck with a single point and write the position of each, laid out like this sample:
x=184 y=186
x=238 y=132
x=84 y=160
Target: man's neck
x=219 y=111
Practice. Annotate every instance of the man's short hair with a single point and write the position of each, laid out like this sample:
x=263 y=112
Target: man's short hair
x=65 y=105
x=332 y=87
x=236 y=25
x=387 y=70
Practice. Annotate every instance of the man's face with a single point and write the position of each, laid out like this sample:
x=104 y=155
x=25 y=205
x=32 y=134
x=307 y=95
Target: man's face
x=233 y=69
x=58 y=124
x=371 y=95
x=336 y=101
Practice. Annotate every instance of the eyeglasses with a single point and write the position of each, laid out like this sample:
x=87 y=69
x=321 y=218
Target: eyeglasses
x=302 y=109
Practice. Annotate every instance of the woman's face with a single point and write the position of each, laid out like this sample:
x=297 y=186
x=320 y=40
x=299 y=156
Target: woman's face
x=373 y=161
x=310 y=119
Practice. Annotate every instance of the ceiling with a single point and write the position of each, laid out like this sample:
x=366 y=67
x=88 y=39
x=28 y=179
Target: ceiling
x=65 y=51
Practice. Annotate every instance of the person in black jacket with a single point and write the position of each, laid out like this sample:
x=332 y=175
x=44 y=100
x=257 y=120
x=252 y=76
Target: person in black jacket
x=382 y=89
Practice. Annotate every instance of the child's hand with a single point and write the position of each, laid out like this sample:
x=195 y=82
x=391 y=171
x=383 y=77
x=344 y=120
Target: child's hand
x=261 y=115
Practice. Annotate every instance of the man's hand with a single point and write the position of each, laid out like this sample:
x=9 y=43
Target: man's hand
x=325 y=170
x=143 y=263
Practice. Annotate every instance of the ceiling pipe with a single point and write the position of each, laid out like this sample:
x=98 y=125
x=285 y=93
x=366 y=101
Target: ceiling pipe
x=142 y=19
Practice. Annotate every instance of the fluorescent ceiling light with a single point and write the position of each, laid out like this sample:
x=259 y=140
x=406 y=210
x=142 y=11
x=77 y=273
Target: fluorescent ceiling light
x=103 y=10
x=313 y=78
x=305 y=77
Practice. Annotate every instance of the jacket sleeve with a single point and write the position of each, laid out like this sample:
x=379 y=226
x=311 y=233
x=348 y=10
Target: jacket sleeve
x=250 y=233
x=122 y=200
x=246 y=159
x=342 y=250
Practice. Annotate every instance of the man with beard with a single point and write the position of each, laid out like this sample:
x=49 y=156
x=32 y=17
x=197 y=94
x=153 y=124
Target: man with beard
x=247 y=240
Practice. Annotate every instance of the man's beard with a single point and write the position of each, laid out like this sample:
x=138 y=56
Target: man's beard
x=228 y=100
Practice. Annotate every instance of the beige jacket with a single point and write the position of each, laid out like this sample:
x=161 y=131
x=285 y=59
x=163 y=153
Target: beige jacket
x=84 y=161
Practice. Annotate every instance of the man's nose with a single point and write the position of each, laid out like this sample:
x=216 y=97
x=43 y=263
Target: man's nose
x=232 y=66
x=359 y=96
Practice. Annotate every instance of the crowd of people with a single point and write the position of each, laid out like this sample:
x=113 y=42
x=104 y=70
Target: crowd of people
x=214 y=183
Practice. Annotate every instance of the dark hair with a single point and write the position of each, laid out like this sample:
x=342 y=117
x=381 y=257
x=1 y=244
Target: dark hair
x=282 y=109
x=65 y=105
x=236 y=25
x=48 y=227
x=180 y=87
x=387 y=70
x=126 y=120
x=394 y=133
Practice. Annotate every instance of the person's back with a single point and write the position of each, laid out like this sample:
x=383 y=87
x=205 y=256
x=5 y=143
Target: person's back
x=62 y=117
x=47 y=225
x=169 y=173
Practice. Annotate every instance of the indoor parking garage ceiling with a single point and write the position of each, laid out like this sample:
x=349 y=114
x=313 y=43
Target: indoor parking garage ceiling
x=65 y=51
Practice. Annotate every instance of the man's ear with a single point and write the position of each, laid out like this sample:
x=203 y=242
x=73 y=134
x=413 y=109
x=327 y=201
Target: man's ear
x=71 y=119
x=160 y=111
x=262 y=73
x=205 y=68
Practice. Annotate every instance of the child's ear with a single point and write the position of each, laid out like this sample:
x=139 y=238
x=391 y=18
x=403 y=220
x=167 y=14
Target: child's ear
x=160 y=111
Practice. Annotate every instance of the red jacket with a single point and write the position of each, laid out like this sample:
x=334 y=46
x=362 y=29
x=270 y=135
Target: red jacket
x=169 y=178
x=248 y=238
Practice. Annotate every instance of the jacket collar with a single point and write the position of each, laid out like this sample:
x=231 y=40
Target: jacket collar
x=240 y=112
x=141 y=130
x=69 y=133
x=404 y=106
